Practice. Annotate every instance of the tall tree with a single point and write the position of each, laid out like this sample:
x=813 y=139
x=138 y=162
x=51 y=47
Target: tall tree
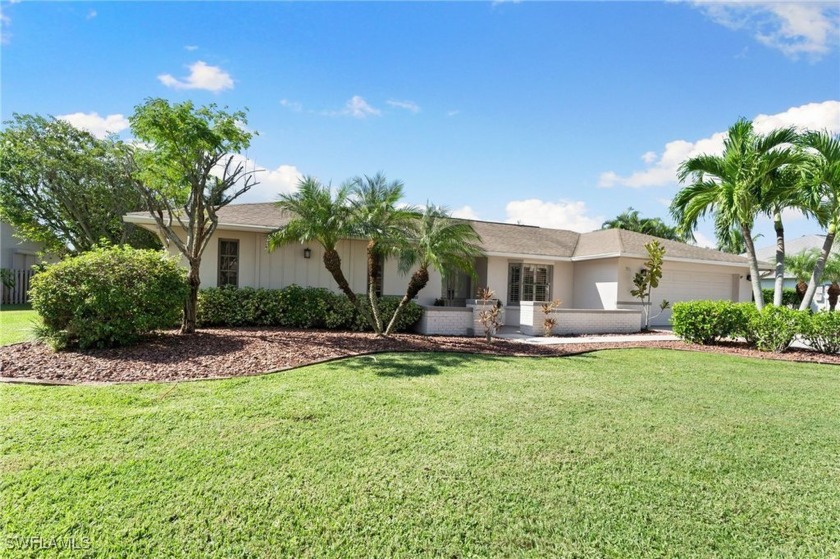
x=783 y=190
x=378 y=217
x=823 y=179
x=64 y=187
x=654 y=226
x=188 y=169
x=730 y=185
x=321 y=217
x=435 y=241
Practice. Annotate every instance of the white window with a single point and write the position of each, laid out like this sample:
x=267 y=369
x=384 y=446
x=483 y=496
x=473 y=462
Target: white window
x=529 y=282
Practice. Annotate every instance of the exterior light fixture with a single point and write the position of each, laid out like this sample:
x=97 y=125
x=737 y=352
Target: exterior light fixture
x=307 y=253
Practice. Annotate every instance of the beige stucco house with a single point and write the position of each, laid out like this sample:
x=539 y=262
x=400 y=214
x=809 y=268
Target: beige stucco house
x=590 y=273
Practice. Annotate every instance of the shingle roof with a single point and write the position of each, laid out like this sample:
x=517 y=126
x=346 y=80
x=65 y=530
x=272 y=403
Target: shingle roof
x=621 y=241
x=794 y=246
x=506 y=238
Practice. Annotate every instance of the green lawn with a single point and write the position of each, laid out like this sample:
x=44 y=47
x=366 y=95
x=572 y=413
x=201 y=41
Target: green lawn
x=630 y=453
x=16 y=322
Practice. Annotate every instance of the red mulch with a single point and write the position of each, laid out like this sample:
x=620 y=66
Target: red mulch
x=223 y=353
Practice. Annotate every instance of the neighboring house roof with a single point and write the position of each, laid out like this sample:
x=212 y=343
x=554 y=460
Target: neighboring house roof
x=501 y=239
x=792 y=246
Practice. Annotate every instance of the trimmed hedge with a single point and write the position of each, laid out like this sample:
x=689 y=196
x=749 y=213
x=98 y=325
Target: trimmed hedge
x=710 y=322
x=293 y=307
x=790 y=298
x=108 y=297
x=772 y=329
x=822 y=332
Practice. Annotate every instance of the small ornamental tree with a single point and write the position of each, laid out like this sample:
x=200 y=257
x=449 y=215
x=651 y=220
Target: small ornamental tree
x=491 y=314
x=186 y=172
x=647 y=279
x=549 y=322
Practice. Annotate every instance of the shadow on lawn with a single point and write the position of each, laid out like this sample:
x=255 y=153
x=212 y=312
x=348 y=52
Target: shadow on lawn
x=396 y=365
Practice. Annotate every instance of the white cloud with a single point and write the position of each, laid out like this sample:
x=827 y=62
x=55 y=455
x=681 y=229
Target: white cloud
x=202 y=76
x=356 y=107
x=291 y=105
x=407 y=105
x=465 y=212
x=91 y=14
x=191 y=48
x=272 y=182
x=359 y=108
x=453 y=113
x=794 y=28
x=97 y=125
x=5 y=21
x=649 y=157
x=702 y=240
x=662 y=169
x=563 y=214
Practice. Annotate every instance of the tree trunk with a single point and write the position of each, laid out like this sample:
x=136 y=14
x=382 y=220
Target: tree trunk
x=833 y=294
x=191 y=304
x=779 y=284
x=816 y=276
x=418 y=281
x=332 y=261
x=754 y=279
x=373 y=275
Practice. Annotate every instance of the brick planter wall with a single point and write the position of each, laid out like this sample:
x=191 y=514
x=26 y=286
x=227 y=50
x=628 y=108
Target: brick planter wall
x=579 y=321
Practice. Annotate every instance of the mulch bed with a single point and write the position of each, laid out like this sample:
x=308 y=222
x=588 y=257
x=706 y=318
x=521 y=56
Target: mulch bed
x=224 y=353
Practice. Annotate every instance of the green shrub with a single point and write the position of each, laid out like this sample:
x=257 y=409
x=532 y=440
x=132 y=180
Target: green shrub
x=790 y=298
x=293 y=307
x=774 y=328
x=108 y=297
x=708 y=322
x=822 y=331
x=746 y=311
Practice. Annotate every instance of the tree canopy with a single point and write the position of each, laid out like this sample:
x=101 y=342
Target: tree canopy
x=654 y=226
x=64 y=187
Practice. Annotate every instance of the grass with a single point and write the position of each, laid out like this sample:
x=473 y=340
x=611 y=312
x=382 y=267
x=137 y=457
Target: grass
x=16 y=323
x=630 y=453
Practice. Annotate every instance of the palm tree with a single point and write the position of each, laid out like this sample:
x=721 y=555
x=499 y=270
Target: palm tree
x=378 y=217
x=319 y=217
x=822 y=174
x=439 y=242
x=832 y=274
x=730 y=186
x=630 y=221
x=801 y=266
x=783 y=190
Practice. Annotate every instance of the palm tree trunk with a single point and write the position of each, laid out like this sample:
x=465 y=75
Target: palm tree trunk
x=332 y=261
x=418 y=281
x=373 y=275
x=816 y=276
x=756 y=281
x=833 y=295
x=779 y=284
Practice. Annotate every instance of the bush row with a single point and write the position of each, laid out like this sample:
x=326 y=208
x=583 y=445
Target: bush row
x=790 y=298
x=293 y=307
x=108 y=297
x=772 y=329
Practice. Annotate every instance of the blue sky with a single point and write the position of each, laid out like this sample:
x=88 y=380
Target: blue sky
x=559 y=114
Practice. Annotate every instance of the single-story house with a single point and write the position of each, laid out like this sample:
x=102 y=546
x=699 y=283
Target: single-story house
x=590 y=273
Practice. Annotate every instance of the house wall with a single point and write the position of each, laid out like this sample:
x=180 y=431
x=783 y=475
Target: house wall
x=595 y=284
x=286 y=265
x=14 y=253
x=496 y=277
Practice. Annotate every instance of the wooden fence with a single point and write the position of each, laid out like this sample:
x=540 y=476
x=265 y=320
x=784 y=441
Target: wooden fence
x=18 y=292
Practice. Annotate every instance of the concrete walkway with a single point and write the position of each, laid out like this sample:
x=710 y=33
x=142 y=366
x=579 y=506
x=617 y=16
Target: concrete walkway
x=513 y=333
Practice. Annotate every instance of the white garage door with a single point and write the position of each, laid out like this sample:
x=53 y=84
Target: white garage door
x=689 y=286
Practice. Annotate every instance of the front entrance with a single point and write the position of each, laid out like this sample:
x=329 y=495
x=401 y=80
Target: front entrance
x=457 y=288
